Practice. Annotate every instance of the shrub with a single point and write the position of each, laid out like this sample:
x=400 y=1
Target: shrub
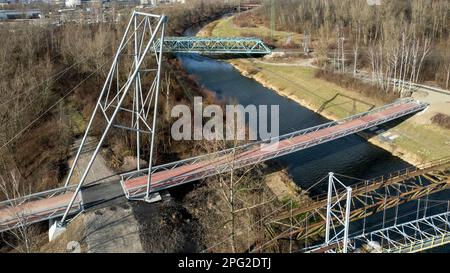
x=442 y=120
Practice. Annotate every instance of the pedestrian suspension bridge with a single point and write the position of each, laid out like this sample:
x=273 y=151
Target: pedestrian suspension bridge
x=129 y=105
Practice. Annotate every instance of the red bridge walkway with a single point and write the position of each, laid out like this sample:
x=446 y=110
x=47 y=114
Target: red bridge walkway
x=51 y=204
x=184 y=171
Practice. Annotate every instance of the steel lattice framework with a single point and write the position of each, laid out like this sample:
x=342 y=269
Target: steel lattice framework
x=214 y=45
x=338 y=213
x=410 y=237
x=127 y=103
x=368 y=198
x=423 y=233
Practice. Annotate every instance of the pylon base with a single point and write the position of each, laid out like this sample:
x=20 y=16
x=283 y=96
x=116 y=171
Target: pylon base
x=153 y=198
x=55 y=230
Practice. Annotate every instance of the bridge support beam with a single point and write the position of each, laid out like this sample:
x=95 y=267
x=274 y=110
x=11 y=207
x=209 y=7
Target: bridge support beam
x=338 y=213
x=117 y=105
x=153 y=197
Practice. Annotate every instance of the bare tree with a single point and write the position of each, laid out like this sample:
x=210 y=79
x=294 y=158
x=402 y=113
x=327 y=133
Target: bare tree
x=398 y=35
x=167 y=81
x=22 y=237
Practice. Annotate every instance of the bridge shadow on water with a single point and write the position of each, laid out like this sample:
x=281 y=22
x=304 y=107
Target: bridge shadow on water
x=385 y=127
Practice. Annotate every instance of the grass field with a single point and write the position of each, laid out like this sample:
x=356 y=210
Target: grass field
x=300 y=82
x=429 y=142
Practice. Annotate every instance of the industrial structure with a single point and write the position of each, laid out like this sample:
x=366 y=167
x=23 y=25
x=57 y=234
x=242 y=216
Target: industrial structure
x=214 y=45
x=19 y=14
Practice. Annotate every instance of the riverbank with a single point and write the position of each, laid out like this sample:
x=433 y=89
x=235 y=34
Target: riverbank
x=415 y=140
x=395 y=150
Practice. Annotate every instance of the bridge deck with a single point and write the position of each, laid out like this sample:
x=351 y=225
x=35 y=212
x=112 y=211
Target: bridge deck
x=48 y=205
x=36 y=208
x=208 y=165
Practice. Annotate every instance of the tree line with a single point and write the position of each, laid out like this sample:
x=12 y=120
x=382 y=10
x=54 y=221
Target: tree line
x=41 y=64
x=405 y=40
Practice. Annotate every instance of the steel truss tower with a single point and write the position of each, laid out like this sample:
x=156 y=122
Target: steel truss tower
x=424 y=233
x=338 y=214
x=129 y=97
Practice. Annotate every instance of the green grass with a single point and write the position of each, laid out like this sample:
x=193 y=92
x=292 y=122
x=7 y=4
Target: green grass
x=429 y=142
x=300 y=82
x=77 y=122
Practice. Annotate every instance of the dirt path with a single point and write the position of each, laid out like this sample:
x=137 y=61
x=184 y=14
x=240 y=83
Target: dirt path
x=439 y=103
x=300 y=62
x=99 y=172
x=110 y=225
x=111 y=230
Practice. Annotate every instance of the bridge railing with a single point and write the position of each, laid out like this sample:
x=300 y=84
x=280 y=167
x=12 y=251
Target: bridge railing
x=35 y=196
x=424 y=244
x=24 y=218
x=214 y=45
x=424 y=232
x=413 y=236
x=23 y=211
x=223 y=160
x=245 y=147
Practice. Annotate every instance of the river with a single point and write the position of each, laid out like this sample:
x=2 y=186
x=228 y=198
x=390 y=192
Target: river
x=351 y=155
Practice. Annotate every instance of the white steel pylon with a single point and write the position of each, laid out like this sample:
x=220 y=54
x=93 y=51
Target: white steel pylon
x=338 y=214
x=124 y=103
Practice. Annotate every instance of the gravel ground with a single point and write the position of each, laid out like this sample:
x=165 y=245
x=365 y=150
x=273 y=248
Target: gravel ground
x=167 y=227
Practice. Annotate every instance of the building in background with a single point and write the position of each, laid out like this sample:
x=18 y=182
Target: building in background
x=174 y=1
x=19 y=14
x=72 y=3
x=168 y=1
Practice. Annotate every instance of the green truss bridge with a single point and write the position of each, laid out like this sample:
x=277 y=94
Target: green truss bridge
x=214 y=45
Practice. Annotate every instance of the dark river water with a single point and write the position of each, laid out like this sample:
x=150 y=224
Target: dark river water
x=351 y=155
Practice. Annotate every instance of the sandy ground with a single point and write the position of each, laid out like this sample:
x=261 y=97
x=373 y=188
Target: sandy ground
x=439 y=103
x=309 y=62
x=284 y=188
